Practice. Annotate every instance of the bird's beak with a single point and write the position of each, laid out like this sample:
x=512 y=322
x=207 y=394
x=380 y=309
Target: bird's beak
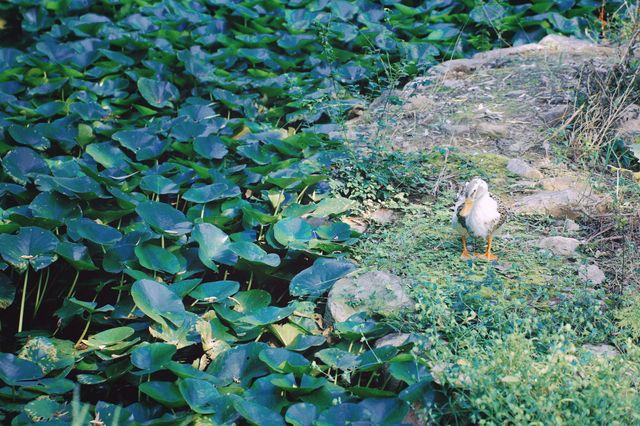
x=466 y=208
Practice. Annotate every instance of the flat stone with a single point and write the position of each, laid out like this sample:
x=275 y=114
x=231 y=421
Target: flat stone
x=522 y=168
x=591 y=273
x=571 y=226
x=383 y=216
x=393 y=339
x=561 y=246
x=372 y=292
x=357 y=224
x=561 y=183
x=603 y=350
x=568 y=203
x=555 y=115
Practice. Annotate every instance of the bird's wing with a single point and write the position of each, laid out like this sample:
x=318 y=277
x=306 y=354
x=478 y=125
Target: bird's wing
x=504 y=213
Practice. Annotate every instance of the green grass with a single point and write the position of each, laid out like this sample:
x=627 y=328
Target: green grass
x=507 y=338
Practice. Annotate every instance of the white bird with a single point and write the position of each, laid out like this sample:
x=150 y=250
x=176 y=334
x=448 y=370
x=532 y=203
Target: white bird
x=477 y=214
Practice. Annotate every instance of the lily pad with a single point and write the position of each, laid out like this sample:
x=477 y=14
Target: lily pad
x=30 y=246
x=320 y=277
x=29 y=136
x=22 y=164
x=14 y=370
x=164 y=218
x=158 y=302
x=157 y=258
x=152 y=357
x=158 y=93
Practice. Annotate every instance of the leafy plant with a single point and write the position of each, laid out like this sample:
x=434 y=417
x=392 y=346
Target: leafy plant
x=165 y=203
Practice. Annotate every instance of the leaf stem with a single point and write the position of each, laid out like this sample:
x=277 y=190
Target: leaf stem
x=73 y=285
x=84 y=332
x=23 y=299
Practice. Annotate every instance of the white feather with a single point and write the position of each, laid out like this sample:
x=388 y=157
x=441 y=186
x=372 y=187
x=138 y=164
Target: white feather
x=483 y=216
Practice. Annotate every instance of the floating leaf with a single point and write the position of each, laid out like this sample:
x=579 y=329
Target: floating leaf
x=144 y=144
x=22 y=164
x=215 y=291
x=30 y=246
x=164 y=218
x=29 y=136
x=14 y=370
x=158 y=93
x=92 y=231
x=77 y=255
x=208 y=193
x=157 y=301
x=152 y=357
x=213 y=246
x=157 y=258
x=320 y=277
x=254 y=254
x=294 y=232
x=167 y=393
x=284 y=361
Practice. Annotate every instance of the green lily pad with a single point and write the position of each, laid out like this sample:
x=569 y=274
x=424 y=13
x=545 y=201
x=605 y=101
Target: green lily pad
x=213 y=246
x=144 y=144
x=254 y=254
x=107 y=154
x=158 y=93
x=301 y=414
x=29 y=136
x=257 y=414
x=92 y=231
x=159 y=185
x=14 y=370
x=22 y=164
x=320 y=277
x=208 y=193
x=158 y=302
x=215 y=291
x=166 y=393
x=110 y=337
x=55 y=207
x=152 y=357
x=77 y=255
x=337 y=358
x=30 y=246
x=164 y=218
x=284 y=361
x=239 y=365
x=157 y=258
x=294 y=232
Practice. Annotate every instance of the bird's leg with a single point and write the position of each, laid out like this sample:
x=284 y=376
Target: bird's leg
x=465 y=253
x=488 y=255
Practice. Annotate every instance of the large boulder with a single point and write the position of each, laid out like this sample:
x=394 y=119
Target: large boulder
x=568 y=203
x=372 y=292
x=524 y=169
x=561 y=246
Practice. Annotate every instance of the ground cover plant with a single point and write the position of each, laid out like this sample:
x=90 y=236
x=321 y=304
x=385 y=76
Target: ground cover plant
x=167 y=228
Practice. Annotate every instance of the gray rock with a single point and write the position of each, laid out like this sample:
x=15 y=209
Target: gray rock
x=555 y=115
x=357 y=224
x=383 y=216
x=522 y=168
x=561 y=204
x=571 y=226
x=561 y=246
x=602 y=350
x=591 y=273
x=373 y=292
x=393 y=339
x=561 y=183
